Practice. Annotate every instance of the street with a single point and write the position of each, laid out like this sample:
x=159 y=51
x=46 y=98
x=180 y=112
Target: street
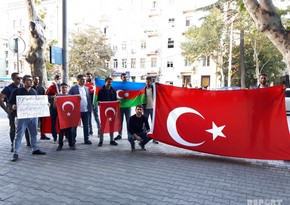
x=115 y=175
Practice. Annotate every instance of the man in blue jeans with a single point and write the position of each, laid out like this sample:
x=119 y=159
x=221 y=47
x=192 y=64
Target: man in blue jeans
x=23 y=124
x=138 y=128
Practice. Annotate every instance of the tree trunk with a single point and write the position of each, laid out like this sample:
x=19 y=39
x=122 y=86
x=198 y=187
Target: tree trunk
x=268 y=21
x=35 y=56
x=242 y=58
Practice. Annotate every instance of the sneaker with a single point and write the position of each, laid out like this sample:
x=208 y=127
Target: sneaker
x=91 y=133
x=44 y=137
x=14 y=158
x=155 y=141
x=12 y=149
x=59 y=148
x=133 y=147
x=38 y=152
x=113 y=143
x=100 y=144
x=88 y=142
x=118 y=137
x=72 y=148
x=142 y=146
x=54 y=142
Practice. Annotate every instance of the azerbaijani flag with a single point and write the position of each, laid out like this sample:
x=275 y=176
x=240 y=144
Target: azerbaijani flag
x=129 y=94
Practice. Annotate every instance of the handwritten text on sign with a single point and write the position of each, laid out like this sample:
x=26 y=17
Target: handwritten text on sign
x=29 y=106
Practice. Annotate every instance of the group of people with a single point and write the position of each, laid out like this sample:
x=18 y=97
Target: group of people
x=83 y=88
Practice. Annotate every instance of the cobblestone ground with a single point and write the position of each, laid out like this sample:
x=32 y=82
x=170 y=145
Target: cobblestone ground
x=113 y=175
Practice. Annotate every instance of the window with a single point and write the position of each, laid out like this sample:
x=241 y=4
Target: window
x=154 y=4
x=170 y=64
x=170 y=43
x=115 y=63
x=187 y=63
x=153 y=62
x=171 y=22
x=143 y=45
x=142 y=62
x=188 y=21
x=206 y=61
x=133 y=62
x=124 y=63
x=124 y=45
x=115 y=47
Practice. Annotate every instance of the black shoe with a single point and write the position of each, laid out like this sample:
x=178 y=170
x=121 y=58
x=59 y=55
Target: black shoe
x=142 y=146
x=72 y=148
x=28 y=145
x=118 y=137
x=155 y=141
x=14 y=158
x=91 y=133
x=38 y=152
x=59 y=148
x=133 y=147
x=100 y=144
x=11 y=149
x=113 y=143
x=88 y=142
x=44 y=137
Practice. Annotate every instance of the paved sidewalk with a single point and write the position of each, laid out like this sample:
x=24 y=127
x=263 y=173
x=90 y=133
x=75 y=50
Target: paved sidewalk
x=113 y=175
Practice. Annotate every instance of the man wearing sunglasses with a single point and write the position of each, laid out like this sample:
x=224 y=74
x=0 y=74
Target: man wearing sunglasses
x=4 y=99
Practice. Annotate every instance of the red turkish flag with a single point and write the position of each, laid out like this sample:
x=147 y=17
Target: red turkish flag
x=46 y=125
x=239 y=123
x=110 y=116
x=68 y=110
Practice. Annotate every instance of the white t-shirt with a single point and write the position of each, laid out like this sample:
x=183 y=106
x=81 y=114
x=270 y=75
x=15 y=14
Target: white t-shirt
x=84 y=100
x=149 y=94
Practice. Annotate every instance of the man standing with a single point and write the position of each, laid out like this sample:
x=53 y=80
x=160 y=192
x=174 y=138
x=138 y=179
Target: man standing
x=90 y=85
x=86 y=107
x=52 y=91
x=40 y=91
x=4 y=97
x=107 y=93
x=136 y=131
x=148 y=107
x=125 y=111
x=263 y=81
x=22 y=124
x=66 y=131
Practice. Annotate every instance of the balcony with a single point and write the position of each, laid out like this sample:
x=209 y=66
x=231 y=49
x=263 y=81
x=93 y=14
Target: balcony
x=153 y=52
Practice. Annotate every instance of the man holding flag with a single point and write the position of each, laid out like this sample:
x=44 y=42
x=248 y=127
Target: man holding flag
x=107 y=93
x=125 y=111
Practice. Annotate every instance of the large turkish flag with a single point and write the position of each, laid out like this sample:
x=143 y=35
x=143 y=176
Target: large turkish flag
x=68 y=110
x=110 y=116
x=239 y=123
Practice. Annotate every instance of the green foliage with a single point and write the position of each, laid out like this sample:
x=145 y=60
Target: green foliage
x=204 y=40
x=89 y=53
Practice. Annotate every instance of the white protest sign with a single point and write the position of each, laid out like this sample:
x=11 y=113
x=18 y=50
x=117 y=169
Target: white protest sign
x=30 y=106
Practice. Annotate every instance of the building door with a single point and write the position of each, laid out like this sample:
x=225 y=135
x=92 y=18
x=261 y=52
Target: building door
x=186 y=81
x=205 y=81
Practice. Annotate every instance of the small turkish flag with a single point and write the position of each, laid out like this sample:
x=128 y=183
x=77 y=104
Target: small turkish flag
x=68 y=110
x=110 y=116
x=239 y=123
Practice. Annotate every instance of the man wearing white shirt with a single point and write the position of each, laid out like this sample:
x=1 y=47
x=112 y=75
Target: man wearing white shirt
x=85 y=105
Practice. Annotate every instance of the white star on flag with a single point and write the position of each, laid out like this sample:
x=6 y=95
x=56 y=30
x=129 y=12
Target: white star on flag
x=68 y=114
x=216 y=131
x=110 y=119
x=126 y=94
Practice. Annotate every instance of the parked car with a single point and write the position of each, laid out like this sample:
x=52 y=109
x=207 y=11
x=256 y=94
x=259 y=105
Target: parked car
x=287 y=100
x=229 y=88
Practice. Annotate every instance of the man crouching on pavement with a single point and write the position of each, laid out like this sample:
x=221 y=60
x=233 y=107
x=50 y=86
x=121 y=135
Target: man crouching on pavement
x=22 y=124
x=137 y=124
